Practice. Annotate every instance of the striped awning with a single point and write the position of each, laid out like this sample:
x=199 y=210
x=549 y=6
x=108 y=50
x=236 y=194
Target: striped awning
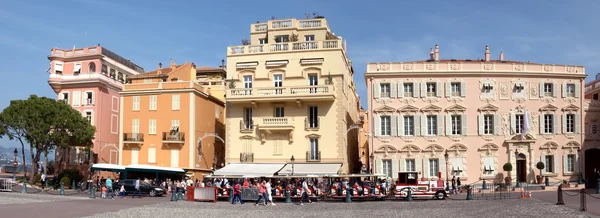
x=276 y=63
x=245 y=65
x=308 y=61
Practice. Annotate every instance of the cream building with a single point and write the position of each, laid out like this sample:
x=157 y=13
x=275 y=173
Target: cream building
x=291 y=93
x=477 y=112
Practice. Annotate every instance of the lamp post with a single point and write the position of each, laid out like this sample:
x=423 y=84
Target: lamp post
x=292 y=160
x=580 y=181
x=372 y=157
x=516 y=170
x=447 y=182
x=15 y=164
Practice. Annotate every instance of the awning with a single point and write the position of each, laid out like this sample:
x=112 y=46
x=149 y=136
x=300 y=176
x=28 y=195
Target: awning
x=319 y=169
x=311 y=61
x=149 y=168
x=249 y=170
x=108 y=167
x=246 y=65
x=276 y=63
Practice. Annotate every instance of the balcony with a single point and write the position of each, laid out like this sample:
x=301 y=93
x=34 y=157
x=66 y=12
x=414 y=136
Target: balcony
x=246 y=157
x=276 y=123
x=324 y=45
x=173 y=137
x=311 y=124
x=314 y=23
x=57 y=80
x=135 y=138
x=323 y=92
x=246 y=126
x=313 y=156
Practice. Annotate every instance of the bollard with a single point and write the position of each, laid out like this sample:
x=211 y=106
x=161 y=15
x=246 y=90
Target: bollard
x=288 y=199
x=73 y=185
x=24 y=190
x=348 y=194
x=173 y=195
x=470 y=193
x=560 y=196
x=179 y=195
x=62 y=189
x=92 y=194
x=409 y=195
x=547 y=181
x=484 y=185
x=230 y=199
x=582 y=200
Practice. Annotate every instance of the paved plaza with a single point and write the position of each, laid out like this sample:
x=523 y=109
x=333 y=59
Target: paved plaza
x=49 y=206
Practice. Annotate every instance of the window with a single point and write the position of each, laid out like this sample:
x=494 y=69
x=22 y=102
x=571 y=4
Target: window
x=571 y=163
x=549 y=164
x=456 y=124
x=248 y=84
x=89 y=117
x=148 y=80
x=431 y=90
x=151 y=155
x=488 y=166
x=77 y=68
x=595 y=96
x=64 y=97
x=488 y=124
x=387 y=168
x=385 y=90
x=174 y=157
x=175 y=125
x=262 y=41
x=518 y=88
x=570 y=124
x=217 y=112
x=89 y=98
x=247 y=118
x=277 y=146
x=434 y=167
x=313 y=117
x=135 y=127
x=386 y=127
x=135 y=152
x=279 y=112
x=175 y=102
x=278 y=82
x=519 y=123
x=153 y=99
x=76 y=98
x=410 y=165
x=548 y=123
x=58 y=68
x=408 y=89
x=92 y=67
x=409 y=125
x=309 y=38
x=487 y=88
x=152 y=128
x=136 y=103
x=283 y=38
x=548 y=89
x=431 y=125
x=314 y=148
x=313 y=80
x=570 y=90
x=455 y=89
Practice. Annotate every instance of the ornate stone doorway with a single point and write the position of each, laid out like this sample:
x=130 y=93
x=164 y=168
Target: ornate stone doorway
x=591 y=164
x=522 y=167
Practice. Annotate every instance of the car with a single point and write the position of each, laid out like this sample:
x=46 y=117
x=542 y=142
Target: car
x=145 y=188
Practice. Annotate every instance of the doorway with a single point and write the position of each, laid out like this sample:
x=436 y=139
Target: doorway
x=521 y=168
x=591 y=164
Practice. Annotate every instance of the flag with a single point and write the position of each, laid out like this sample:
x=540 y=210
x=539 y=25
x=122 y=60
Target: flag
x=526 y=128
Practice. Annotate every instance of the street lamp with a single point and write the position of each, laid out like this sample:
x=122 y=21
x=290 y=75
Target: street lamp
x=292 y=160
x=517 y=174
x=15 y=164
x=447 y=182
x=579 y=159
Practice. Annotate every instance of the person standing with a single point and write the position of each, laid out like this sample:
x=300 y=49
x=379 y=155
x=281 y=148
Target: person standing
x=109 y=188
x=137 y=189
x=305 y=193
x=458 y=184
x=43 y=180
x=453 y=185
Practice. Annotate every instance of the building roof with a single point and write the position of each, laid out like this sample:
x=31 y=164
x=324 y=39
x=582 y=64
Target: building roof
x=209 y=69
x=152 y=74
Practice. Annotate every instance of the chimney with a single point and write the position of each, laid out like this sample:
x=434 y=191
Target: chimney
x=431 y=54
x=173 y=64
x=193 y=65
x=501 y=56
x=159 y=65
x=487 y=53
x=437 y=53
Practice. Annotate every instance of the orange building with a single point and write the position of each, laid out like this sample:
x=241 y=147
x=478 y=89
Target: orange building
x=169 y=120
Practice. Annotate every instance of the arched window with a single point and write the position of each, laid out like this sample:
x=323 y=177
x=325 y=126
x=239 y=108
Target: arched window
x=92 y=67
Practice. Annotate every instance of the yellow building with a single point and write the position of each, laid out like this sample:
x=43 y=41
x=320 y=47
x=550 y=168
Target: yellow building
x=169 y=120
x=291 y=93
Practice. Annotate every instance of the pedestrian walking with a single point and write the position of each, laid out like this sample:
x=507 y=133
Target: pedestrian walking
x=103 y=192
x=453 y=185
x=269 y=192
x=305 y=193
x=237 y=193
x=458 y=184
x=109 y=188
x=261 y=193
x=137 y=189
x=43 y=180
x=122 y=191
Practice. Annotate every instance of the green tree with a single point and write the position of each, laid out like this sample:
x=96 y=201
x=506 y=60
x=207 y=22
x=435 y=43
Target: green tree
x=45 y=123
x=12 y=125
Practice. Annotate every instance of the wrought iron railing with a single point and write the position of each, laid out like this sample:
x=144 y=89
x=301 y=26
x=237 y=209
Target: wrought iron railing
x=133 y=137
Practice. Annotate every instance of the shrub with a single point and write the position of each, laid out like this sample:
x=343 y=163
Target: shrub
x=540 y=165
x=507 y=167
x=37 y=178
x=72 y=174
x=66 y=181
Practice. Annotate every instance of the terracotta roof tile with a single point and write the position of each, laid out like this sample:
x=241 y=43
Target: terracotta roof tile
x=208 y=69
x=164 y=71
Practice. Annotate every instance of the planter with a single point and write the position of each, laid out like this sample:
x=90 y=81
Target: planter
x=507 y=180
x=539 y=179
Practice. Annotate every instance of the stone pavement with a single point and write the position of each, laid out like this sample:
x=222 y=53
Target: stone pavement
x=551 y=196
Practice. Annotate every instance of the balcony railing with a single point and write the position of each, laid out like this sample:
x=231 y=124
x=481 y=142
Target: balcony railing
x=313 y=156
x=246 y=126
x=290 y=23
x=173 y=136
x=246 y=157
x=276 y=121
x=133 y=137
x=286 y=47
x=311 y=123
x=273 y=93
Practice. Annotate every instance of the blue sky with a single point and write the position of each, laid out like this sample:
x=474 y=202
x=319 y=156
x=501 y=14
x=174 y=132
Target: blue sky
x=149 y=32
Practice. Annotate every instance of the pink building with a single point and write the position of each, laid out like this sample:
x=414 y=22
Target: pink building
x=592 y=134
x=480 y=114
x=90 y=79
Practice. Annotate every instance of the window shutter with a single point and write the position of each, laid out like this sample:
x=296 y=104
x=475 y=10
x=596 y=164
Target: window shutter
x=401 y=125
x=417 y=125
x=151 y=155
x=577 y=90
x=556 y=162
x=438 y=89
x=402 y=164
x=463 y=89
x=497 y=124
x=448 y=89
x=555 y=91
x=400 y=90
x=555 y=123
x=394 y=168
x=415 y=89
x=564 y=90
x=426 y=167
x=379 y=166
x=577 y=123
x=480 y=125
x=423 y=89
x=565 y=158
x=84 y=98
x=513 y=123
x=394 y=125
x=377 y=90
x=576 y=167
x=393 y=90
x=60 y=96
x=442 y=165
x=463 y=123
x=417 y=164
x=542 y=89
x=174 y=157
x=440 y=125
x=542 y=123
x=135 y=155
x=448 y=125
x=564 y=123
x=377 y=125
x=424 y=125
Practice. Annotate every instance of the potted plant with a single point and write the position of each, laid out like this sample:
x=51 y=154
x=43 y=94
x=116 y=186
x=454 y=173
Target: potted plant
x=508 y=168
x=539 y=178
x=245 y=42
